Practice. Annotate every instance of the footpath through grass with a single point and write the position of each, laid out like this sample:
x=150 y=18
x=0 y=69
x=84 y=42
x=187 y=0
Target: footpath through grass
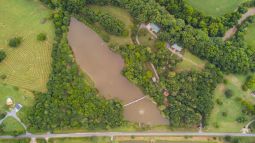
x=27 y=66
x=231 y=106
x=215 y=7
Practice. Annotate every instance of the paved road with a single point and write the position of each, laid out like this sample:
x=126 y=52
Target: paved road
x=114 y=134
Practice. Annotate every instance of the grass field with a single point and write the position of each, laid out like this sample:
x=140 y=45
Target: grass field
x=120 y=14
x=215 y=7
x=230 y=105
x=249 y=35
x=11 y=125
x=29 y=65
x=186 y=65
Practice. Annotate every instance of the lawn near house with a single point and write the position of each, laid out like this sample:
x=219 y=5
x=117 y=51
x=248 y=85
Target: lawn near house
x=29 y=65
x=145 y=38
x=24 y=97
x=120 y=14
x=215 y=7
x=230 y=105
x=186 y=65
x=10 y=125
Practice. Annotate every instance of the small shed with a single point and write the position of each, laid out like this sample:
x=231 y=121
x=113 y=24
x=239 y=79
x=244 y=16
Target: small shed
x=177 y=48
x=153 y=27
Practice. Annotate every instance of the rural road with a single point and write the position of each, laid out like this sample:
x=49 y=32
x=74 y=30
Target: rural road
x=114 y=134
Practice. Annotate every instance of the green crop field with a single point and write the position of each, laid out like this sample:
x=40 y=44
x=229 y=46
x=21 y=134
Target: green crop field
x=27 y=66
x=215 y=7
x=231 y=106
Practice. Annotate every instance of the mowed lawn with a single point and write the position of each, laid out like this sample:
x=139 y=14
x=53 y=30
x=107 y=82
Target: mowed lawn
x=29 y=65
x=120 y=14
x=215 y=7
x=231 y=106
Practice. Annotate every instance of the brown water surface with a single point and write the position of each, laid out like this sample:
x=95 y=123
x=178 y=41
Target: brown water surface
x=104 y=68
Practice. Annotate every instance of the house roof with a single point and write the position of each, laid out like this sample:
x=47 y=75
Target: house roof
x=177 y=47
x=155 y=27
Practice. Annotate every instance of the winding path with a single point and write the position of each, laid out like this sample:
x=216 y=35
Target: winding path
x=231 y=32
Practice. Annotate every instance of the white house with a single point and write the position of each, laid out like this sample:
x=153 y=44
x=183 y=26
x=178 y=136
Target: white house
x=177 y=48
x=153 y=27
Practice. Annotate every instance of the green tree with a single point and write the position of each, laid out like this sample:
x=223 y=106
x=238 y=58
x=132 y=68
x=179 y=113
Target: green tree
x=2 y=56
x=15 y=42
x=41 y=37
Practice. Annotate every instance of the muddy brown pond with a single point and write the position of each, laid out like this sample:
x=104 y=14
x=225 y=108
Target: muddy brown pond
x=104 y=67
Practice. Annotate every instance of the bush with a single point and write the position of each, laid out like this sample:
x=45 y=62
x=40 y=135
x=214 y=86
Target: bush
x=15 y=42
x=224 y=114
x=228 y=93
x=227 y=138
x=241 y=119
x=3 y=77
x=219 y=102
x=2 y=56
x=41 y=37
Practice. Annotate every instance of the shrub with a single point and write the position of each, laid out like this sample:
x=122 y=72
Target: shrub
x=219 y=102
x=228 y=93
x=2 y=56
x=241 y=119
x=41 y=37
x=15 y=42
x=224 y=114
x=3 y=77
x=227 y=138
